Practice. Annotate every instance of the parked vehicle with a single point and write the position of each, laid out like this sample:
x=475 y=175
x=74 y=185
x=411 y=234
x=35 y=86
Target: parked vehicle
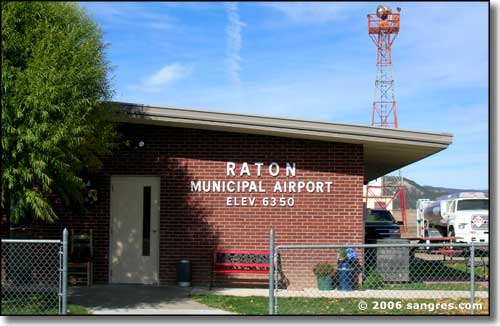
x=380 y=224
x=464 y=216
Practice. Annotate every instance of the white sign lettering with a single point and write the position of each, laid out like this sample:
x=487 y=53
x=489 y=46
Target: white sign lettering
x=280 y=187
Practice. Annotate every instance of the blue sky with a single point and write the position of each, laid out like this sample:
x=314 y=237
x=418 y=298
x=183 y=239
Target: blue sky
x=312 y=61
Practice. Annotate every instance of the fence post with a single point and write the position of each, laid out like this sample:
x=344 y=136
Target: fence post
x=65 y=272
x=271 y=272
x=472 y=279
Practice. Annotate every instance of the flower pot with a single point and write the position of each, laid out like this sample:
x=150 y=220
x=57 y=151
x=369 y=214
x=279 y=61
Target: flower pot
x=324 y=282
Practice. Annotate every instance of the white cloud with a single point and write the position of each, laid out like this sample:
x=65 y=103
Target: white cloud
x=164 y=77
x=168 y=74
x=234 y=41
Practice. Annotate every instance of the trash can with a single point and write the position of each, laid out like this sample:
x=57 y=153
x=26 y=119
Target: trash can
x=393 y=263
x=184 y=273
x=345 y=277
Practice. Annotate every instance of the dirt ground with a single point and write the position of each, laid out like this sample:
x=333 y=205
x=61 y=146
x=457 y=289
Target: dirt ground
x=411 y=219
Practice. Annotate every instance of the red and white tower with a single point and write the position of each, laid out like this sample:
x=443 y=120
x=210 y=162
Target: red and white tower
x=383 y=28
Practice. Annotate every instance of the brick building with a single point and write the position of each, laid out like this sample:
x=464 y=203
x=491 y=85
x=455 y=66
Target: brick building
x=186 y=182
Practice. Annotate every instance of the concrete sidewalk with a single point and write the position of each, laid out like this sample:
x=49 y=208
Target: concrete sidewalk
x=315 y=293
x=122 y=299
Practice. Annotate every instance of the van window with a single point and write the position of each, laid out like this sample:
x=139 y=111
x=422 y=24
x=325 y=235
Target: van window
x=472 y=204
x=379 y=216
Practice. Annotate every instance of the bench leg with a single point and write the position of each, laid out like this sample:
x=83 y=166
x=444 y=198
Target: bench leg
x=211 y=281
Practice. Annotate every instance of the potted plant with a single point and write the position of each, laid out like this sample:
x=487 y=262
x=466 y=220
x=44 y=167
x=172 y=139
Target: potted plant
x=324 y=274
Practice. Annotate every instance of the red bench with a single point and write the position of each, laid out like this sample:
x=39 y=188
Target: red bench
x=239 y=262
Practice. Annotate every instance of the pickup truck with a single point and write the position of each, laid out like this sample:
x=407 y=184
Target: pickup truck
x=380 y=224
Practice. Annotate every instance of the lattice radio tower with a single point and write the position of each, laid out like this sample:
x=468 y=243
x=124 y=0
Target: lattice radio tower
x=383 y=28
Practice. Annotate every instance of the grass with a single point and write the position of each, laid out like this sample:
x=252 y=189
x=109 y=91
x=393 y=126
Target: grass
x=430 y=286
x=37 y=304
x=344 y=306
x=480 y=272
x=374 y=281
x=74 y=309
x=31 y=309
x=429 y=275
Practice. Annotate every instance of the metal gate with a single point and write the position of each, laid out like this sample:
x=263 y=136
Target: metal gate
x=34 y=276
x=383 y=278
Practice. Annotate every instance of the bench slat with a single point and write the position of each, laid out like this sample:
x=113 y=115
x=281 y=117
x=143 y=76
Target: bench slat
x=242 y=264
x=238 y=271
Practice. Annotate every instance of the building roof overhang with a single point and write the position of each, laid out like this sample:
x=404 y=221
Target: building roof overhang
x=385 y=149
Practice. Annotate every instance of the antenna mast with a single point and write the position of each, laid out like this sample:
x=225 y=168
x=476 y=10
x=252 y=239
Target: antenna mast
x=383 y=28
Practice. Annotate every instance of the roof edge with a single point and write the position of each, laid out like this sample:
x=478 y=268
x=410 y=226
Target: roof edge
x=304 y=128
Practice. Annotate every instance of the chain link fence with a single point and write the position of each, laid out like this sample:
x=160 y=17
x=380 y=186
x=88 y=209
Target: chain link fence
x=385 y=278
x=34 y=276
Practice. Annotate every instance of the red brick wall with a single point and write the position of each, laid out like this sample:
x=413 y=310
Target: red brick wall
x=193 y=224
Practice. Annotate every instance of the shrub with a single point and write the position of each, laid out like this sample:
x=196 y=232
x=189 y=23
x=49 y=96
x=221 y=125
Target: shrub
x=373 y=280
x=324 y=269
x=342 y=255
x=347 y=254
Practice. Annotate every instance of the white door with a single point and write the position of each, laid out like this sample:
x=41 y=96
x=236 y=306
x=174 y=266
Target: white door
x=135 y=208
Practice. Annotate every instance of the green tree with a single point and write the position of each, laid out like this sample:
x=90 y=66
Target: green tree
x=55 y=120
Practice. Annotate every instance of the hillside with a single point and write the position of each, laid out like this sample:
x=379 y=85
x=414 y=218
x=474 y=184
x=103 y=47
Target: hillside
x=414 y=191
